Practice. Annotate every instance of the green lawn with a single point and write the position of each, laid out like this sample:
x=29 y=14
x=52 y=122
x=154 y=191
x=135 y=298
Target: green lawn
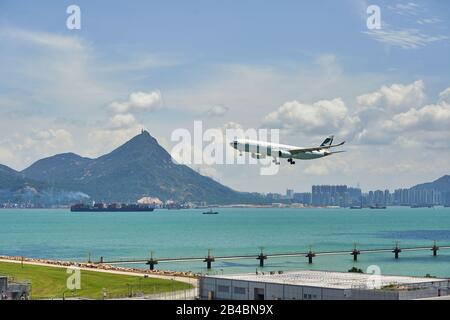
x=50 y=282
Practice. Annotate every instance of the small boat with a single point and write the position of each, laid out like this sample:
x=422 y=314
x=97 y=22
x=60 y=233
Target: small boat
x=210 y=212
x=415 y=206
x=356 y=207
x=377 y=207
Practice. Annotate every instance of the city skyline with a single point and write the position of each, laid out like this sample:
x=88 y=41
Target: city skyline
x=296 y=67
x=346 y=196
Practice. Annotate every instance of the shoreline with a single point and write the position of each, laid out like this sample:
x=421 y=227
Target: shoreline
x=186 y=277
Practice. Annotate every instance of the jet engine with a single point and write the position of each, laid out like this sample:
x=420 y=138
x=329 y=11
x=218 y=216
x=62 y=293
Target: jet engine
x=281 y=154
x=258 y=156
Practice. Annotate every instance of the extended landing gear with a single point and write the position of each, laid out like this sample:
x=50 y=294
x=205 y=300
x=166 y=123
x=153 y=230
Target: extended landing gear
x=291 y=161
x=276 y=161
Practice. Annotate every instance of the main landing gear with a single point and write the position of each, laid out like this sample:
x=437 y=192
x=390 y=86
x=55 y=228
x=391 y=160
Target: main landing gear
x=291 y=161
x=276 y=161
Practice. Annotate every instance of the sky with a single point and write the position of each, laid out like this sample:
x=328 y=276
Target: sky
x=308 y=68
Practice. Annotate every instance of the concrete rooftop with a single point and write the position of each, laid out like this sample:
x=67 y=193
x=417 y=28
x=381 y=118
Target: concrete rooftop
x=326 y=279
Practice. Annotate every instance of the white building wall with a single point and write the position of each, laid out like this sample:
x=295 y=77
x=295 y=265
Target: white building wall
x=229 y=289
x=312 y=293
x=292 y=292
x=256 y=285
x=334 y=294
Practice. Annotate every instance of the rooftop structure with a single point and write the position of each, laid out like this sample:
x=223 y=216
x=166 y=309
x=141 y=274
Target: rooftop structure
x=326 y=279
x=320 y=285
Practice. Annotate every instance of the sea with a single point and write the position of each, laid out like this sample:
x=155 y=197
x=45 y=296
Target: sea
x=61 y=234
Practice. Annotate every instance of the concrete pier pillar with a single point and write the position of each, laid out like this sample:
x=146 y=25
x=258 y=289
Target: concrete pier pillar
x=355 y=254
x=435 y=249
x=261 y=259
x=310 y=256
x=396 y=251
x=152 y=262
x=209 y=259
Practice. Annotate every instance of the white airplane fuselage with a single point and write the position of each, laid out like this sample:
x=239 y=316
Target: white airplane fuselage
x=261 y=149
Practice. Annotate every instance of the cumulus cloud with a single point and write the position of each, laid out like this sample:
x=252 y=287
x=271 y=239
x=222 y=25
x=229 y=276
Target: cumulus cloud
x=51 y=139
x=445 y=95
x=322 y=117
x=396 y=96
x=138 y=101
x=107 y=139
x=22 y=149
x=397 y=115
x=123 y=121
x=217 y=111
x=433 y=117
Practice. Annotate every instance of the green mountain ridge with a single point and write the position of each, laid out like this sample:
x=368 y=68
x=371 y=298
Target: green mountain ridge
x=138 y=168
x=442 y=184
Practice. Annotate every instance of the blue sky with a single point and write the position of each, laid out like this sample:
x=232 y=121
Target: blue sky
x=266 y=64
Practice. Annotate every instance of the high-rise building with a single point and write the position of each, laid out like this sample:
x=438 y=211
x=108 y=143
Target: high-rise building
x=303 y=197
x=289 y=194
x=330 y=195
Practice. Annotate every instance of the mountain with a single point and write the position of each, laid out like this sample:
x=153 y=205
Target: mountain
x=13 y=180
x=15 y=187
x=442 y=184
x=138 y=168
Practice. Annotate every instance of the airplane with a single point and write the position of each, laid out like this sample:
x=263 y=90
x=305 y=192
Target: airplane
x=262 y=149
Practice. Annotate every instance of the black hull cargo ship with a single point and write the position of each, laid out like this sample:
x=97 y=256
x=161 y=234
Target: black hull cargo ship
x=101 y=207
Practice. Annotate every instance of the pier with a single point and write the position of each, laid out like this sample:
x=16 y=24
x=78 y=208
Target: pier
x=262 y=256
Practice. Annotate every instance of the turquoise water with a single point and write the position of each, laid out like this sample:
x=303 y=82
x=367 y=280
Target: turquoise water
x=60 y=234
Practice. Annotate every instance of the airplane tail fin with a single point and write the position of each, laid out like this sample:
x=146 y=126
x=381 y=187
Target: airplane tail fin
x=328 y=141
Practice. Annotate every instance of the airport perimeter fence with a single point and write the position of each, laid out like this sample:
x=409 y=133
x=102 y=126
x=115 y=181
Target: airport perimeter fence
x=187 y=294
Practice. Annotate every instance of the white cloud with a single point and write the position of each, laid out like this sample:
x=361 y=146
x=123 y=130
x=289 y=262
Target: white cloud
x=425 y=21
x=322 y=117
x=217 y=111
x=396 y=115
x=408 y=8
x=445 y=95
x=433 y=117
x=20 y=149
x=53 y=72
x=106 y=139
x=404 y=38
x=396 y=96
x=50 y=139
x=48 y=40
x=123 y=121
x=209 y=171
x=316 y=169
x=138 y=101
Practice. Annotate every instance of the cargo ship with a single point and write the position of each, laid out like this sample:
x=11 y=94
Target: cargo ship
x=102 y=207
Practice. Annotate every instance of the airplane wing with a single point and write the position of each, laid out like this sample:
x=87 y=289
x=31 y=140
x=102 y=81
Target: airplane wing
x=301 y=150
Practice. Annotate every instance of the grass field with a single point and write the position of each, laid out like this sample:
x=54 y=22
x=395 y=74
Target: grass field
x=50 y=282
